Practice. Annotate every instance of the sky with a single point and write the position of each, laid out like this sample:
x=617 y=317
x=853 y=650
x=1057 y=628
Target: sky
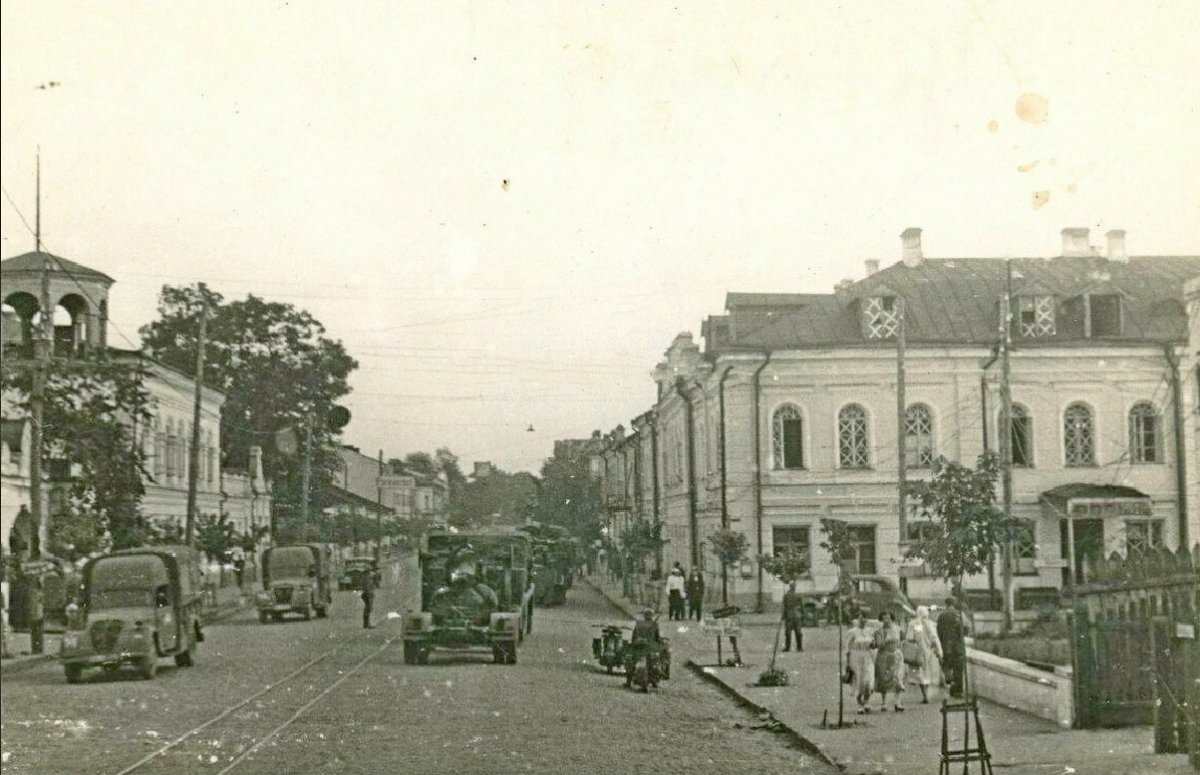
x=507 y=211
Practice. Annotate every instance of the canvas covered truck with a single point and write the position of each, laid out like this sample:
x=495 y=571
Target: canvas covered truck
x=296 y=579
x=476 y=593
x=553 y=562
x=136 y=606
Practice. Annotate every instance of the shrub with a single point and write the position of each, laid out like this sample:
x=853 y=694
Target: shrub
x=773 y=677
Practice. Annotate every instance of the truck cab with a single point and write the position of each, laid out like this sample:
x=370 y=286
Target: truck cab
x=296 y=579
x=136 y=606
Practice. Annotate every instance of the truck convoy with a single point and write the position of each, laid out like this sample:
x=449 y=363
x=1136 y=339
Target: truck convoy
x=296 y=579
x=476 y=592
x=135 y=606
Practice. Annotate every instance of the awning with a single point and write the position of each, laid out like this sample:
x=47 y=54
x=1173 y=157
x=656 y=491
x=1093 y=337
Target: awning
x=1097 y=500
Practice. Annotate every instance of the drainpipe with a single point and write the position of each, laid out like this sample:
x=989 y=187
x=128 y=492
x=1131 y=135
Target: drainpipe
x=1180 y=450
x=654 y=484
x=724 y=492
x=983 y=402
x=758 y=501
x=690 y=428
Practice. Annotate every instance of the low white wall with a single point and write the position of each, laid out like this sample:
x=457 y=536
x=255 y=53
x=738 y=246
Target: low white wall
x=1018 y=686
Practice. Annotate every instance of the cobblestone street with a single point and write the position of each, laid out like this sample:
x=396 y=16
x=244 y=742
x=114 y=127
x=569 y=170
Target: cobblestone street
x=359 y=709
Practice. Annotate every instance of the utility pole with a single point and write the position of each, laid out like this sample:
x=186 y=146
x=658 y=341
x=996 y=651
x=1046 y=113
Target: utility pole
x=194 y=459
x=43 y=345
x=901 y=433
x=1006 y=457
x=306 y=471
x=379 y=512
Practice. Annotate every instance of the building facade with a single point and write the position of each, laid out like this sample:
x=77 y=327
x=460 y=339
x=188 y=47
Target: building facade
x=791 y=414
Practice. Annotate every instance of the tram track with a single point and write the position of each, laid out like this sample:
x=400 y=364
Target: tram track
x=256 y=719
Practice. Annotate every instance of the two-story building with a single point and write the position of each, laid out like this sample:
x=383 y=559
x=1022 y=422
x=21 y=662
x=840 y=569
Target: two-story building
x=791 y=412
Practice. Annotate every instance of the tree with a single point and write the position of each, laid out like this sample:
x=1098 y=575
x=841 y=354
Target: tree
x=730 y=547
x=968 y=528
x=215 y=535
x=447 y=463
x=275 y=367
x=567 y=495
x=839 y=542
x=90 y=449
x=500 y=498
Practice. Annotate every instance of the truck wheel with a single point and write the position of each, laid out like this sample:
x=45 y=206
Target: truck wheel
x=322 y=612
x=308 y=611
x=74 y=673
x=497 y=655
x=148 y=667
x=411 y=653
x=510 y=654
x=263 y=617
x=187 y=657
x=423 y=656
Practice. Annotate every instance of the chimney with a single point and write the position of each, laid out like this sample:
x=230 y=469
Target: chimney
x=872 y=266
x=910 y=244
x=843 y=285
x=1075 y=243
x=1116 y=245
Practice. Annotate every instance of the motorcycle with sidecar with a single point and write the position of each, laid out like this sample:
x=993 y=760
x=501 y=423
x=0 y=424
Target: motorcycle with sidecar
x=609 y=649
x=647 y=663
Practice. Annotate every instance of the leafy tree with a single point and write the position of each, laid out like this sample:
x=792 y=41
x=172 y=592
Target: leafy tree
x=90 y=449
x=567 y=495
x=275 y=366
x=215 y=535
x=839 y=542
x=500 y=498
x=730 y=547
x=787 y=566
x=447 y=463
x=968 y=528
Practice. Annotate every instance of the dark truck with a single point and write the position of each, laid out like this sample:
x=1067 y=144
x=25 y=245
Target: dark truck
x=296 y=579
x=553 y=562
x=476 y=592
x=135 y=606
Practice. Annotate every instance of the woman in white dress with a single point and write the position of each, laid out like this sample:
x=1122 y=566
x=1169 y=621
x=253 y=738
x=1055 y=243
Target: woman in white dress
x=860 y=659
x=927 y=649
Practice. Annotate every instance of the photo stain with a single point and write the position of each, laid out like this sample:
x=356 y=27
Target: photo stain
x=504 y=184
x=1027 y=167
x=1040 y=198
x=1032 y=108
x=993 y=126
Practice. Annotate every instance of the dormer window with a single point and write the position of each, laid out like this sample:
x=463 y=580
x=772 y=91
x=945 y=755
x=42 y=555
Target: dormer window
x=1105 y=314
x=882 y=317
x=1035 y=316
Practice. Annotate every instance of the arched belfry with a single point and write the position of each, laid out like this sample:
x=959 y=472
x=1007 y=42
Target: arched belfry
x=78 y=297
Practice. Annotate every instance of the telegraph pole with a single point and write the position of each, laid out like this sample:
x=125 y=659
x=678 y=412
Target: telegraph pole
x=194 y=459
x=43 y=344
x=306 y=471
x=379 y=511
x=901 y=432
x=1006 y=456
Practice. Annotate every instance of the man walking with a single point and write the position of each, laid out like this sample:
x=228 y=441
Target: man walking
x=793 y=615
x=368 y=598
x=675 y=592
x=951 y=629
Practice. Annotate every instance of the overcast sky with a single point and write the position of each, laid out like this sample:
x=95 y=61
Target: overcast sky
x=508 y=210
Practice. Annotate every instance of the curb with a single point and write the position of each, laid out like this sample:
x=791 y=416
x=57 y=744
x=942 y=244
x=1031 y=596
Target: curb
x=802 y=742
x=23 y=663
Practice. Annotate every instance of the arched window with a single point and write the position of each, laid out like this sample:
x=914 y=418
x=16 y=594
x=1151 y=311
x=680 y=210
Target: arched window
x=918 y=436
x=1079 y=436
x=852 y=437
x=1144 y=434
x=787 y=438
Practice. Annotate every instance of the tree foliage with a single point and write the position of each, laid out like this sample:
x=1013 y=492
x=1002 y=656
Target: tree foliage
x=787 y=566
x=642 y=538
x=500 y=498
x=730 y=546
x=568 y=496
x=275 y=366
x=215 y=535
x=968 y=528
x=90 y=450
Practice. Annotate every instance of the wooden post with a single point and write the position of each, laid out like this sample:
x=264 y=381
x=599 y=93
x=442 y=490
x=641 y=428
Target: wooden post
x=194 y=458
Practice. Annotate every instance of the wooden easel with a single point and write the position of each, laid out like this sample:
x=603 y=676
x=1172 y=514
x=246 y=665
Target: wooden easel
x=966 y=754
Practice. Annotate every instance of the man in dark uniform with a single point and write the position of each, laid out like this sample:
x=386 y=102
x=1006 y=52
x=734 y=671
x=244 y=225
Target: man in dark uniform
x=368 y=598
x=951 y=630
x=645 y=642
x=793 y=615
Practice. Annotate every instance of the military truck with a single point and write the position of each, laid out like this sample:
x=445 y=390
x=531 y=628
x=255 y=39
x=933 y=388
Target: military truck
x=553 y=562
x=296 y=579
x=476 y=592
x=135 y=606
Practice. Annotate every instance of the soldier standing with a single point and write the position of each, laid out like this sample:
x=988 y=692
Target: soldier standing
x=793 y=618
x=368 y=598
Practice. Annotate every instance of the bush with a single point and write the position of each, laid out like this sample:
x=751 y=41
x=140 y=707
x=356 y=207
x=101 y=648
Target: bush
x=773 y=677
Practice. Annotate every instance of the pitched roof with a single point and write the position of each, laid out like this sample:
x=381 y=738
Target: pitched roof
x=32 y=262
x=957 y=301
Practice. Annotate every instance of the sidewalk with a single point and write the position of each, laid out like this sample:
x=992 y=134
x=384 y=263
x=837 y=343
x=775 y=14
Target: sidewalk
x=230 y=600
x=893 y=743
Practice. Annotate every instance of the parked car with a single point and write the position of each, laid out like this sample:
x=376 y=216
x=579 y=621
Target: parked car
x=870 y=594
x=355 y=571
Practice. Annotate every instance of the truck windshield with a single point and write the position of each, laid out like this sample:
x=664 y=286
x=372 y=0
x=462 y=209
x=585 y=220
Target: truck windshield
x=292 y=562
x=121 y=598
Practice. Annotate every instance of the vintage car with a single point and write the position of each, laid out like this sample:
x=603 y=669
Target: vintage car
x=356 y=570
x=296 y=579
x=869 y=594
x=135 y=606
